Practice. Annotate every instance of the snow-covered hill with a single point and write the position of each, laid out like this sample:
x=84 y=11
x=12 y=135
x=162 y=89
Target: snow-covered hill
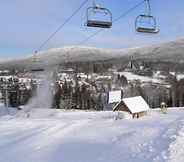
x=170 y=51
x=66 y=55
x=78 y=136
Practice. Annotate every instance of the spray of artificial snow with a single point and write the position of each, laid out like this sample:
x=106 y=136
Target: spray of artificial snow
x=43 y=97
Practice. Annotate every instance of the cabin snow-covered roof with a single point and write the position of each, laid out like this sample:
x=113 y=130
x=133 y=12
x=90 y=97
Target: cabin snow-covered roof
x=135 y=104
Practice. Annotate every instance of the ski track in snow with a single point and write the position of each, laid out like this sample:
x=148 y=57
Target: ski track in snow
x=92 y=137
x=176 y=149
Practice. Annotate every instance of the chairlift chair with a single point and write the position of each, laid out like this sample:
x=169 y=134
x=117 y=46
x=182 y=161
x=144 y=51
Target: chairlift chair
x=35 y=58
x=146 y=24
x=97 y=22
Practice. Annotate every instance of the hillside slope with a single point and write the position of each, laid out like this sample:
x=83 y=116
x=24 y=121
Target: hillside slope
x=54 y=135
x=170 y=51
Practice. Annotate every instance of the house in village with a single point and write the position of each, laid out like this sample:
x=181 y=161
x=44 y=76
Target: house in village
x=136 y=106
x=132 y=66
x=138 y=67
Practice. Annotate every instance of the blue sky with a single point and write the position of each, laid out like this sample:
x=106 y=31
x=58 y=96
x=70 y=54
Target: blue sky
x=26 y=24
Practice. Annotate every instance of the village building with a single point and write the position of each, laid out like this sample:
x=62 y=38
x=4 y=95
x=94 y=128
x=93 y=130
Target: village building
x=138 y=67
x=132 y=66
x=136 y=106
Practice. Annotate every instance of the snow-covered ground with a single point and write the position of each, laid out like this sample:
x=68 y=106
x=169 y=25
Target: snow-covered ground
x=78 y=136
x=131 y=77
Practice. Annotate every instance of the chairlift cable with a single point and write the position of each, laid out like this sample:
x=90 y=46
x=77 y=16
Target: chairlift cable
x=128 y=11
x=61 y=26
x=91 y=36
x=115 y=20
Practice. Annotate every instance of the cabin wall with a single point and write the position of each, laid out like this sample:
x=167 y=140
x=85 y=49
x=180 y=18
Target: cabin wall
x=140 y=114
x=122 y=107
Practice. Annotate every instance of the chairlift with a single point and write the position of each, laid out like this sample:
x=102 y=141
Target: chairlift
x=146 y=23
x=35 y=59
x=36 y=63
x=103 y=21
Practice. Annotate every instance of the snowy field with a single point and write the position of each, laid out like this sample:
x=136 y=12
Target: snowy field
x=78 y=136
x=131 y=77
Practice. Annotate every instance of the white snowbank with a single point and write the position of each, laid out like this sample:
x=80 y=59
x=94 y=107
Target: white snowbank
x=131 y=77
x=5 y=111
x=78 y=136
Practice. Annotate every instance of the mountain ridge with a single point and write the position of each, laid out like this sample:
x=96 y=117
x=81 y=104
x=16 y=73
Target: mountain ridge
x=172 y=51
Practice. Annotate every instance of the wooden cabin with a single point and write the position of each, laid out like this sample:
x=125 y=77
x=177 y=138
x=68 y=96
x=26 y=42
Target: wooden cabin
x=136 y=106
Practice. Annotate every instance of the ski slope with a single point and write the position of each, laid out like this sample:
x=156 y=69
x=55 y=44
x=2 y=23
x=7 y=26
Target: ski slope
x=78 y=136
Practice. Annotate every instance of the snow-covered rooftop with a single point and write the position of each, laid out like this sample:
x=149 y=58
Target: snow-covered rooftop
x=136 y=104
x=131 y=77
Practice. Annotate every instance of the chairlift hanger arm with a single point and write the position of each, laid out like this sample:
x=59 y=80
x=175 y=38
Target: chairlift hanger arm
x=148 y=7
x=99 y=8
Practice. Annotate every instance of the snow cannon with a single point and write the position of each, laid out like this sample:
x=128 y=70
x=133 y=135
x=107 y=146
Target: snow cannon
x=163 y=108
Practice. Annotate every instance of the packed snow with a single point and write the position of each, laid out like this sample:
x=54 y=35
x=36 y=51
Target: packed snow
x=131 y=77
x=49 y=135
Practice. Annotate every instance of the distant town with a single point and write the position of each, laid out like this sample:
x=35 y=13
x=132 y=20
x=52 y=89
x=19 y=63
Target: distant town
x=91 y=85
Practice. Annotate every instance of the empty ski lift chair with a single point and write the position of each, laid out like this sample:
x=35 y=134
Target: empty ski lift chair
x=146 y=23
x=99 y=17
x=36 y=63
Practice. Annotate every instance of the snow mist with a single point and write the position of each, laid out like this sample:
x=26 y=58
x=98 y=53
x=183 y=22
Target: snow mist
x=44 y=96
